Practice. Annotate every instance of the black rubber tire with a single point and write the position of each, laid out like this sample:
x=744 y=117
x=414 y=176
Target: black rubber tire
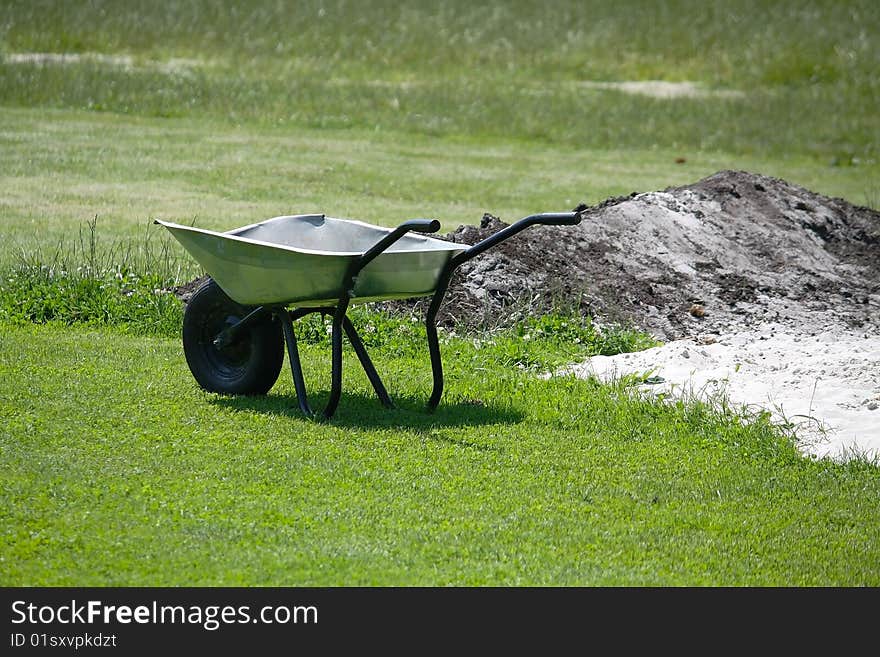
x=250 y=365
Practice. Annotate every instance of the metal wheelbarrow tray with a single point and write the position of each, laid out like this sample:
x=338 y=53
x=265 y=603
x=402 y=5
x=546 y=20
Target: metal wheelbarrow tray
x=265 y=276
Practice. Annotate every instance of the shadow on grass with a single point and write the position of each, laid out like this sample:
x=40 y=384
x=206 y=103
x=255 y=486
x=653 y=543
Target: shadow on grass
x=365 y=411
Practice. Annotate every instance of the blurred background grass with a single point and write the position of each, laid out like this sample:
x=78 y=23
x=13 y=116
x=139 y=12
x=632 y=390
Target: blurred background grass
x=806 y=73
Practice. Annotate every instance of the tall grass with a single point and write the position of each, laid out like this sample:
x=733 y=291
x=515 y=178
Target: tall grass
x=127 y=285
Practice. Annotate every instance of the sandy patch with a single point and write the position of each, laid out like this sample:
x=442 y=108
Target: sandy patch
x=662 y=88
x=825 y=385
x=174 y=65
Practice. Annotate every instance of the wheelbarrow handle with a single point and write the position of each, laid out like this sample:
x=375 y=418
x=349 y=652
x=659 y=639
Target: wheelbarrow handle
x=420 y=225
x=546 y=218
x=417 y=225
x=559 y=218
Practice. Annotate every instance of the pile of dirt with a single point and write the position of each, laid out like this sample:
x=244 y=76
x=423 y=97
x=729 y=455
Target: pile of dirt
x=733 y=250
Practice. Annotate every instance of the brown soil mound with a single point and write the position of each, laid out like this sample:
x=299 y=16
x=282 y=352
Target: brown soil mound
x=729 y=251
x=733 y=250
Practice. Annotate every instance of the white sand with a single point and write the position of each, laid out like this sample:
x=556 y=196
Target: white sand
x=826 y=384
x=661 y=88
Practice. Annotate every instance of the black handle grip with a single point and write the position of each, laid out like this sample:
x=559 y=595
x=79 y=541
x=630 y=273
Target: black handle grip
x=421 y=225
x=558 y=218
x=547 y=218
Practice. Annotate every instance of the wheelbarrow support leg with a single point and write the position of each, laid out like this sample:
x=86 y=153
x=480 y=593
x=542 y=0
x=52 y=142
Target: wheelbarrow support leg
x=340 y=323
x=367 y=364
x=336 y=350
x=433 y=340
x=299 y=383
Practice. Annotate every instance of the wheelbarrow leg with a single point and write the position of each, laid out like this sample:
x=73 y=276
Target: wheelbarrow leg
x=295 y=365
x=433 y=340
x=336 y=351
x=340 y=323
x=436 y=366
x=367 y=364
x=549 y=219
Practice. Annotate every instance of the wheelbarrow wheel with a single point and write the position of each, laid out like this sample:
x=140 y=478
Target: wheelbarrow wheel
x=250 y=365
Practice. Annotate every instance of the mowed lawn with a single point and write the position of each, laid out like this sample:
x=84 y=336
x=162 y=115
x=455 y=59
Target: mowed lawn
x=117 y=469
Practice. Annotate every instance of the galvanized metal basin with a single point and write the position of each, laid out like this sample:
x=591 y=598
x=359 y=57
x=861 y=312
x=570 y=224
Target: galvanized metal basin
x=301 y=260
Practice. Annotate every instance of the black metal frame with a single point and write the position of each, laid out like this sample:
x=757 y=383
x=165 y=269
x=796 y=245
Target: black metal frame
x=341 y=322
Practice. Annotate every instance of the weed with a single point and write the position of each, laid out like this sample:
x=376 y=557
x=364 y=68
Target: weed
x=104 y=290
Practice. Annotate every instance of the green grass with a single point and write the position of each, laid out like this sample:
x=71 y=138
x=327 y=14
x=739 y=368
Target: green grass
x=118 y=470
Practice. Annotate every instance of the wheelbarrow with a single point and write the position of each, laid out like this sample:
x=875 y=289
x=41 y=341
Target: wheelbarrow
x=265 y=276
